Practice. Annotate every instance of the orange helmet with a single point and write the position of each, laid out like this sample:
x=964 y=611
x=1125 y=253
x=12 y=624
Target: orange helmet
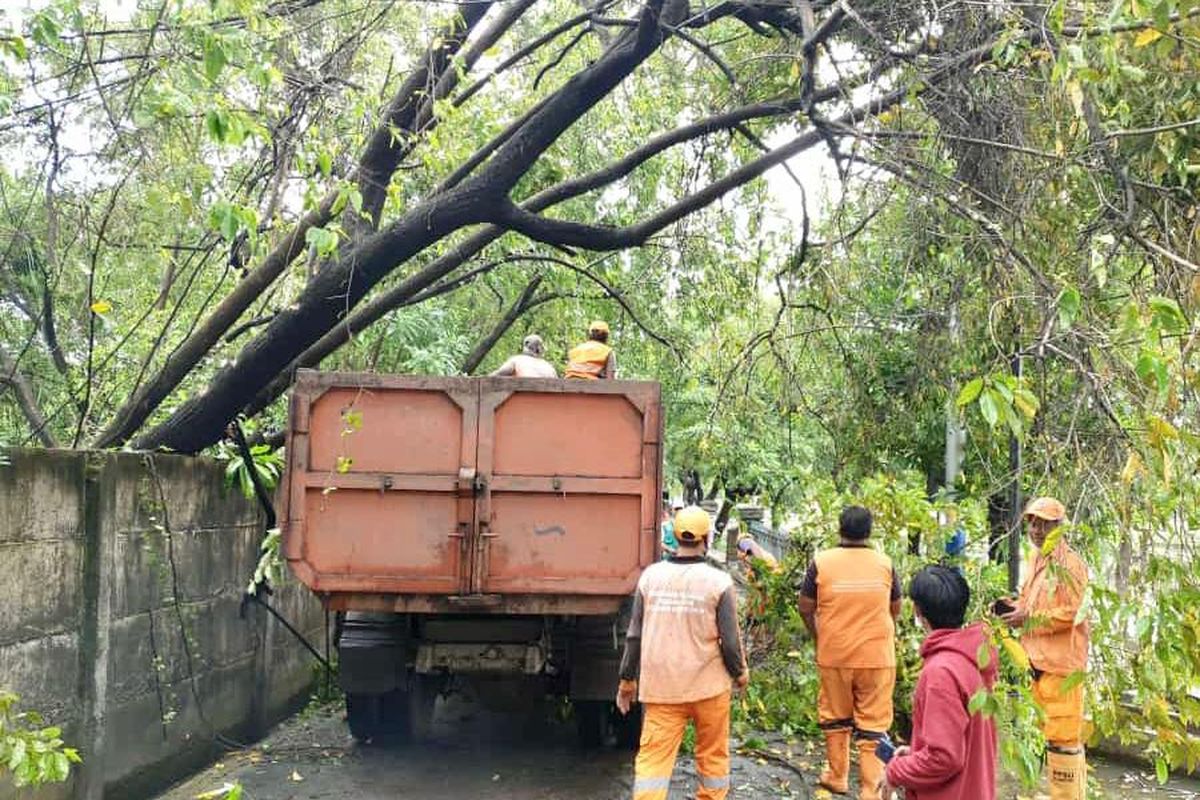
x=1046 y=508
x=692 y=524
x=599 y=326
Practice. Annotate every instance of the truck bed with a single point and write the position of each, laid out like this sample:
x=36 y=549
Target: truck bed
x=487 y=495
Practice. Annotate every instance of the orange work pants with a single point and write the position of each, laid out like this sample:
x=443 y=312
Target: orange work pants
x=1063 y=723
x=856 y=698
x=662 y=732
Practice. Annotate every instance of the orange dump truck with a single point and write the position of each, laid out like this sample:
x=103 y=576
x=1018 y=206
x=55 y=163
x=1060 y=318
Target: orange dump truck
x=472 y=528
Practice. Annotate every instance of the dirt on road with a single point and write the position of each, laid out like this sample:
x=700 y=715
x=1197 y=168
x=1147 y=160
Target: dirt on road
x=530 y=754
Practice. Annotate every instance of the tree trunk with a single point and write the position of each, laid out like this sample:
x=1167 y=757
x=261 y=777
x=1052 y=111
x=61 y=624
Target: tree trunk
x=11 y=375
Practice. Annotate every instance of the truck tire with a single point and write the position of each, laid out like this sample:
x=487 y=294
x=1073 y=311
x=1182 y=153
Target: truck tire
x=422 y=696
x=365 y=714
x=591 y=722
x=372 y=717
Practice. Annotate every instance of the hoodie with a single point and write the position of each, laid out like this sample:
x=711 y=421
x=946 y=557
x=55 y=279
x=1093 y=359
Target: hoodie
x=953 y=751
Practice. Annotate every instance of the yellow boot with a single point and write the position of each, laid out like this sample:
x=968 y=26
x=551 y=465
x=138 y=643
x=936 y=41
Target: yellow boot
x=836 y=775
x=1068 y=774
x=870 y=770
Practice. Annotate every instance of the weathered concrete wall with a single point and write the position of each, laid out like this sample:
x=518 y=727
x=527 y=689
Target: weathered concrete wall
x=121 y=577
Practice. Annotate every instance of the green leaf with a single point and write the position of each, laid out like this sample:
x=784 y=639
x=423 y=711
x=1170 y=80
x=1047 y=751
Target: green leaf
x=983 y=656
x=217 y=125
x=1161 y=770
x=1026 y=402
x=325 y=163
x=1013 y=419
x=1152 y=371
x=1069 y=303
x=16 y=45
x=1073 y=680
x=989 y=407
x=970 y=392
x=45 y=30
x=324 y=240
x=214 y=58
x=1166 y=315
x=1162 y=13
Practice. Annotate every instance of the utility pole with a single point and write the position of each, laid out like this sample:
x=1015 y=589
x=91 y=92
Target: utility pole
x=1014 y=495
x=956 y=435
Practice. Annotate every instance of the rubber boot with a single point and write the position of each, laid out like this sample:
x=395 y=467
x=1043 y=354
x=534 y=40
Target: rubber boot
x=836 y=775
x=870 y=770
x=1068 y=775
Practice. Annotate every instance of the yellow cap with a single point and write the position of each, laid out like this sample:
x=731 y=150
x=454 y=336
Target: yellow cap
x=1046 y=508
x=599 y=326
x=692 y=524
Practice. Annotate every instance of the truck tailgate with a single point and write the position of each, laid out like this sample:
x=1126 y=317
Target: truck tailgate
x=415 y=493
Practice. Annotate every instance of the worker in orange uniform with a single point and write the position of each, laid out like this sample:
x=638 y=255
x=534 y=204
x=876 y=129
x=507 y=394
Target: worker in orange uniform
x=849 y=600
x=1056 y=642
x=683 y=653
x=593 y=359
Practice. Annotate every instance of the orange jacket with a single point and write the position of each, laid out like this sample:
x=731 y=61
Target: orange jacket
x=680 y=609
x=1051 y=596
x=855 y=587
x=587 y=360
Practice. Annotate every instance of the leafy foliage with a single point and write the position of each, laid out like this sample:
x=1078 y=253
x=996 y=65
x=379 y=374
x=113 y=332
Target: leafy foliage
x=32 y=753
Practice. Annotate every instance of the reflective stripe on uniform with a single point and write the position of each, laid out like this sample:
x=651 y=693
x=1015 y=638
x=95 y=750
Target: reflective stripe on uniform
x=714 y=782
x=650 y=784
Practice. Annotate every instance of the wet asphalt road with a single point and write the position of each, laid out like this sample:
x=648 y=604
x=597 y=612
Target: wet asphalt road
x=523 y=754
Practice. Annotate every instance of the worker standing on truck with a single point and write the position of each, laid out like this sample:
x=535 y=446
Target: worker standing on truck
x=529 y=363
x=682 y=651
x=1056 y=641
x=593 y=359
x=849 y=600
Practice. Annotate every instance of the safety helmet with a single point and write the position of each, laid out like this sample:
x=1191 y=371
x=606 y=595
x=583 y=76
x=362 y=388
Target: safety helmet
x=599 y=326
x=692 y=524
x=1046 y=508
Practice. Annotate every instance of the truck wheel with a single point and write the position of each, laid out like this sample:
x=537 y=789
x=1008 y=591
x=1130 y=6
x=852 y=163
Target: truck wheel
x=422 y=696
x=364 y=713
x=629 y=728
x=591 y=722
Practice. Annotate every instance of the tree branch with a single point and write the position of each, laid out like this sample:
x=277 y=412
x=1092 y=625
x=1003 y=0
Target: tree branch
x=514 y=312
x=11 y=375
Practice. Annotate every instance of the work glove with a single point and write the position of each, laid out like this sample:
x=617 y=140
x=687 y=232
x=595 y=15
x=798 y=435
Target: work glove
x=626 y=694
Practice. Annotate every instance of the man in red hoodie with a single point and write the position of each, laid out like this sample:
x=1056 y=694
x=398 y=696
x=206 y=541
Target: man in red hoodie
x=953 y=752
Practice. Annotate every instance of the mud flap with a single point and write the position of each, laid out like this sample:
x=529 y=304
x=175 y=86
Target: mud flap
x=373 y=653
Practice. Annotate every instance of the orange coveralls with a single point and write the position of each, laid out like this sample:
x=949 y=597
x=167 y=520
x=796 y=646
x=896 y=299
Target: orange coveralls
x=1057 y=646
x=587 y=360
x=683 y=648
x=854 y=588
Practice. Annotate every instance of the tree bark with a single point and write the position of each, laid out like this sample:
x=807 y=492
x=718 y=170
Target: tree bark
x=11 y=375
x=392 y=139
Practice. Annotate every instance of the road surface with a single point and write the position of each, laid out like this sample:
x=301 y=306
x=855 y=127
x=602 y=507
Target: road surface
x=506 y=755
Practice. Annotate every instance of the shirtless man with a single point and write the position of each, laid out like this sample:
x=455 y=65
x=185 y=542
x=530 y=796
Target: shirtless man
x=529 y=362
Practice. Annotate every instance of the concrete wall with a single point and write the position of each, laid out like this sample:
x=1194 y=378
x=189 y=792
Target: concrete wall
x=121 y=576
